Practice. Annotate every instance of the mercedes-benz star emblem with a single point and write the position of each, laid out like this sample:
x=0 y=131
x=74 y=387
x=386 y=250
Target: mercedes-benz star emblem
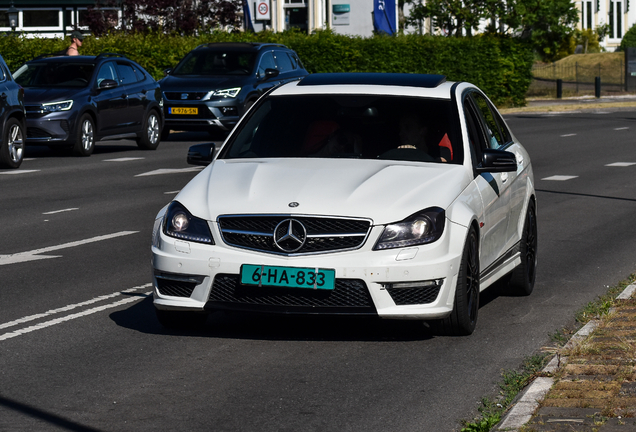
x=290 y=235
x=184 y=96
x=293 y=204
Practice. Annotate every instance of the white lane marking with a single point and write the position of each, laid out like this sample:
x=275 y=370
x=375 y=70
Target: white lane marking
x=36 y=254
x=68 y=317
x=560 y=177
x=61 y=211
x=621 y=164
x=71 y=307
x=18 y=171
x=171 y=193
x=568 y=135
x=170 y=171
x=124 y=159
x=621 y=128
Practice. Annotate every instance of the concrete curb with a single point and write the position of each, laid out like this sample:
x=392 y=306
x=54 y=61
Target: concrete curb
x=523 y=410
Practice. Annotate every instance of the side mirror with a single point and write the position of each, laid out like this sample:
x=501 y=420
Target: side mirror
x=497 y=161
x=201 y=154
x=167 y=72
x=108 y=84
x=271 y=73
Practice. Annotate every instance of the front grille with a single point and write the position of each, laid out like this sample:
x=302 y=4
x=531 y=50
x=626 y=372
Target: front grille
x=413 y=296
x=322 y=234
x=177 y=96
x=34 y=132
x=348 y=296
x=175 y=288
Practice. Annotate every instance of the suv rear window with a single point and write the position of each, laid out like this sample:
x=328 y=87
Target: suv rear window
x=216 y=62
x=350 y=126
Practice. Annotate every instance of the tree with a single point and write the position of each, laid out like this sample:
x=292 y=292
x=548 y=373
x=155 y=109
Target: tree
x=181 y=16
x=547 y=24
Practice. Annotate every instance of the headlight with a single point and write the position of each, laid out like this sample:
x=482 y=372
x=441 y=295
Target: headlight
x=423 y=227
x=179 y=223
x=232 y=92
x=57 y=106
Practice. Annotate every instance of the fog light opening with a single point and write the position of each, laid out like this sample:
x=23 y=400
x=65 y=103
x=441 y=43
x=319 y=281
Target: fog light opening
x=416 y=284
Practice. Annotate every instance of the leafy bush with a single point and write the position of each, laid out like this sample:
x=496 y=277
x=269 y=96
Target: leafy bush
x=501 y=66
x=629 y=38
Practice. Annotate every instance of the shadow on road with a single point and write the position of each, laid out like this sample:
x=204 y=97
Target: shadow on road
x=141 y=317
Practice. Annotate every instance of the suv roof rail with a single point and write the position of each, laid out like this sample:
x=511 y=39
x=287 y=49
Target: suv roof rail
x=109 y=54
x=57 y=54
x=240 y=45
x=392 y=79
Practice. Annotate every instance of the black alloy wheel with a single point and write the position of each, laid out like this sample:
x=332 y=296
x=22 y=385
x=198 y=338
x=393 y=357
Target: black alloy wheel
x=523 y=276
x=463 y=319
x=12 y=150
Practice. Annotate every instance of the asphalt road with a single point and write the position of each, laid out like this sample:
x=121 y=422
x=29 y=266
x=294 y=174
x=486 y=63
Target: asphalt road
x=80 y=348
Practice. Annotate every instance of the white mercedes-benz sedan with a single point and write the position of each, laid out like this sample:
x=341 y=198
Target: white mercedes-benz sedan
x=395 y=195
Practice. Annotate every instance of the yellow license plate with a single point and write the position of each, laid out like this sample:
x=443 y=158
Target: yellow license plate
x=187 y=111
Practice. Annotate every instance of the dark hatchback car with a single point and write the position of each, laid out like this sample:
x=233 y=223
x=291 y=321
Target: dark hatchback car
x=12 y=119
x=214 y=84
x=73 y=102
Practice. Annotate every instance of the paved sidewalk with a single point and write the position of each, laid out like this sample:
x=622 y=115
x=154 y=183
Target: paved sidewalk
x=575 y=104
x=590 y=385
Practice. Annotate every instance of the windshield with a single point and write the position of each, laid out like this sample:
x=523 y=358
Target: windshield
x=350 y=126
x=54 y=74
x=216 y=62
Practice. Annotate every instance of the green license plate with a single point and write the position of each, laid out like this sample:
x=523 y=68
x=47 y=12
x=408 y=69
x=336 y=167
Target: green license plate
x=291 y=277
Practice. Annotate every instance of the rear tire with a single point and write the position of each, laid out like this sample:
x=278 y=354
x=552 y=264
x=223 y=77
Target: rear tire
x=463 y=319
x=180 y=320
x=523 y=276
x=85 y=137
x=12 y=149
x=151 y=132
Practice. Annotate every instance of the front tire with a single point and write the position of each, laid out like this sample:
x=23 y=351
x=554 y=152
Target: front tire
x=12 y=150
x=463 y=319
x=85 y=138
x=523 y=276
x=151 y=132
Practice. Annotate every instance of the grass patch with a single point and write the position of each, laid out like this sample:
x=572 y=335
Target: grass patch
x=492 y=410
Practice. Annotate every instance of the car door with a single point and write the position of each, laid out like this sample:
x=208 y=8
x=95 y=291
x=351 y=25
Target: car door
x=267 y=61
x=492 y=188
x=514 y=189
x=137 y=100
x=111 y=103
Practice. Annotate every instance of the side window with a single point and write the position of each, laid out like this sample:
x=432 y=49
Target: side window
x=3 y=73
x=475 y=131
x=139 y=74
x=495 y=139
x=294 y=60
x=126 y=73
x=507 y=136
x=267 y=62
x=107 y=71
x=283 y=62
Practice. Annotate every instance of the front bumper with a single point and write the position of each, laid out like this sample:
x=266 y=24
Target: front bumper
x=221 y=115
x=50 y=129
x=197 y=277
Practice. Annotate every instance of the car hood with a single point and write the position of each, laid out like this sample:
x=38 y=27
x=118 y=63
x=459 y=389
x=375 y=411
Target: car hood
x=201 y=82
x=384 y=191
x=38 y=95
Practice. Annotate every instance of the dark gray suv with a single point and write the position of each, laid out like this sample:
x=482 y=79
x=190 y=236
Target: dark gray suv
x=12 y=119
x=214 y=84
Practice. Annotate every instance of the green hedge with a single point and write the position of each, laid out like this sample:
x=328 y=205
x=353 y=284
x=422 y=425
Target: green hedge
x=500 y=66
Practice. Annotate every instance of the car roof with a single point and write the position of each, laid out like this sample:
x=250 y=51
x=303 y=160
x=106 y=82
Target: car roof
x=44 y=58
x=240 y=46
x=397 y=84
